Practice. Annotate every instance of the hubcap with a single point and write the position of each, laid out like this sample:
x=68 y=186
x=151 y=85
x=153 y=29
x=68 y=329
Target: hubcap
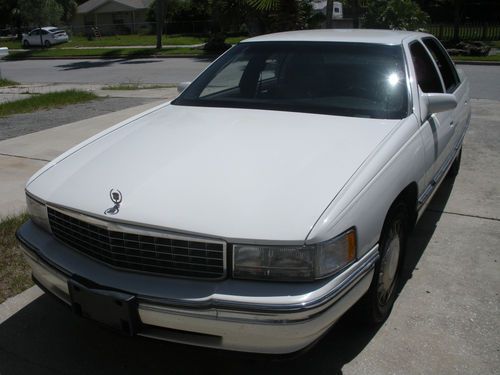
x=389 y=266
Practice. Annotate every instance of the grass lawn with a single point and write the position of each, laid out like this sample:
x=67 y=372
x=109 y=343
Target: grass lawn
x=15 y=275
x=132 y=40
x=105 y=52
x=7 y=82
x=236 y=39
x=477 y=58
x=127 y=40
x=45 y=101
x=119 y=40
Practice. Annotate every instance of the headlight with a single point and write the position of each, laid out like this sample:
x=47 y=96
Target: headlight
x=38 y=212
x=294 y=263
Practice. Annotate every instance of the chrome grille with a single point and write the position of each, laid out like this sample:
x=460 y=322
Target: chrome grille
x=172 y=256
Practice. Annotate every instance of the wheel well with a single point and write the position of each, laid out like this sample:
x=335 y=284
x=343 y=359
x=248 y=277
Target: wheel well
x=409 y=196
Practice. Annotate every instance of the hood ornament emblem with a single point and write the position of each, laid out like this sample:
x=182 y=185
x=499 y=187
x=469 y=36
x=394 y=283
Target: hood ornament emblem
x=116 y=198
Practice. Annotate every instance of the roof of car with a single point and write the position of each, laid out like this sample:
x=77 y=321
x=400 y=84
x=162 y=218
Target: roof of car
x=339 y=35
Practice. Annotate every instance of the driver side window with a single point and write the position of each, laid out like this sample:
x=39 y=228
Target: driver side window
x=427 y=75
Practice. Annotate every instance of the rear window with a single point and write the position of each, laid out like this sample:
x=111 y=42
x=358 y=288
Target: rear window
x=347 y=79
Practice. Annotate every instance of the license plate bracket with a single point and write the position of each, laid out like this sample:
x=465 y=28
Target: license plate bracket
x=114 y=309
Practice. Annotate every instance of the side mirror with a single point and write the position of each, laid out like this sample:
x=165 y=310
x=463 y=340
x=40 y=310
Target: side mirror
x=436 y=102
x=182 y=86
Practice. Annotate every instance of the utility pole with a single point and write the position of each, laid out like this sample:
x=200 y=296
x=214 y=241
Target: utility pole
x=355 y=11
x=159 y=23
x=329 y=14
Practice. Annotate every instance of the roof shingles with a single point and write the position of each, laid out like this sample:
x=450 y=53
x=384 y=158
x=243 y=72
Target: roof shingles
x=92 y=5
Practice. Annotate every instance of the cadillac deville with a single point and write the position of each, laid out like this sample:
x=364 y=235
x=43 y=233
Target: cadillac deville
x=252 y=211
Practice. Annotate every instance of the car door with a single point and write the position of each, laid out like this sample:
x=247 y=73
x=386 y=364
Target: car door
x=437 y=128
x=34 y=37
x=45 y=36
x=453 y=85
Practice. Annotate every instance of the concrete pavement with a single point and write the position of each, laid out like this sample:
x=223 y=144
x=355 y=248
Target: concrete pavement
x=445 y=320
x=22 y=91
x=22 y=156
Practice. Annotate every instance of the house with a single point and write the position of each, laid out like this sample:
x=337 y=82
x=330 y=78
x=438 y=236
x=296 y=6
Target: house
x=112 y=16
x=319 y=6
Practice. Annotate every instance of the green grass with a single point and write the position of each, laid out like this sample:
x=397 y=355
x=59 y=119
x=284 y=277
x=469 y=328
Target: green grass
x=105 y=53
x=45 y=101
x=235 y=39
x=118 y=40
x=136 y=86
x=476 y=58
x=7 y=82
x=15 y=274
x=132 y=40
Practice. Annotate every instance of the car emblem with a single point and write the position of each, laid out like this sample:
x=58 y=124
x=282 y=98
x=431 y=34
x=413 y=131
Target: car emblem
x=116 y=198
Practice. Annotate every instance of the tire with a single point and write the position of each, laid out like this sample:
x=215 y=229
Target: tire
x=455 y=167
x=26 y=44
x=377 y=303
x=46 y=44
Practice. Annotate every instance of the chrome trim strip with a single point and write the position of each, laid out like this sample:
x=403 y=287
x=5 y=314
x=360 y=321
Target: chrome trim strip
x=126 y=228
x=320 y=298
x=312 y=303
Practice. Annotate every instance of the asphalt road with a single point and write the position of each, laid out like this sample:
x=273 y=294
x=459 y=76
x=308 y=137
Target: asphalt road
x=445 y=320
x=106 y=71
x=174 y=70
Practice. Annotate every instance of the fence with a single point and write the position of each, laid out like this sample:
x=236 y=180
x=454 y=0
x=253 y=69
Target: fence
x=466 y=32
x=187 y=27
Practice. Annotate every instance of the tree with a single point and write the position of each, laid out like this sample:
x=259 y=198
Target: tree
x=395 y=14
x=282 y=15
x=69 y=9
x=40 y=12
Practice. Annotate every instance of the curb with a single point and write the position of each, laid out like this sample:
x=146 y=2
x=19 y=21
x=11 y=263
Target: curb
x=464 y=62
x=110 y=57
x=14 y=304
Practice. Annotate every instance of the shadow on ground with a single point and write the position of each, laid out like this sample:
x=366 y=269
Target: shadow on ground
x=88 y=64
x=45 y=338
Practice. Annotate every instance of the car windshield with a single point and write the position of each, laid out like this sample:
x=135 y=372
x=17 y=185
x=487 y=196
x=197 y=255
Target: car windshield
x=347 y=79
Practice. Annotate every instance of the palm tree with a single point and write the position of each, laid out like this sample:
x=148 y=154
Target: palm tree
x=264 y=4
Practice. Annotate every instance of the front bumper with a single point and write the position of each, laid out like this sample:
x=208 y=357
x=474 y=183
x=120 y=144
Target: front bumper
x=230 y=314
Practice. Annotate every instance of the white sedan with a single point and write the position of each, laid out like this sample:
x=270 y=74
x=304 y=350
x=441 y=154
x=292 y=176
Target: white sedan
x=274 y=193
x=49 y=36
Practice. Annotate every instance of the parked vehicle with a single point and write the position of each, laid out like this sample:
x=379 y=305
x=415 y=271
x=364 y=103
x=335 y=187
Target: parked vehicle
x=275 y=192
x=49 y=36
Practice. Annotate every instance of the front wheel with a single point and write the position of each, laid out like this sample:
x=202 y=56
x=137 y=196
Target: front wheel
x=26 y=44
x=378 y=301
x=46 y=43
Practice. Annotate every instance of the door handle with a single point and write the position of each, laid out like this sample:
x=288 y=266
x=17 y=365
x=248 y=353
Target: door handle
x=452 y=123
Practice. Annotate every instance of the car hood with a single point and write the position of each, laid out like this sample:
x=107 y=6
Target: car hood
x=230 y=173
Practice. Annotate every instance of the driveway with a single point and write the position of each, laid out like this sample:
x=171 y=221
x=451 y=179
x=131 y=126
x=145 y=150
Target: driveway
x=445 y=320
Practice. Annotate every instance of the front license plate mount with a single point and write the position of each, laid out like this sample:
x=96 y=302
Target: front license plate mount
x=113 y=309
